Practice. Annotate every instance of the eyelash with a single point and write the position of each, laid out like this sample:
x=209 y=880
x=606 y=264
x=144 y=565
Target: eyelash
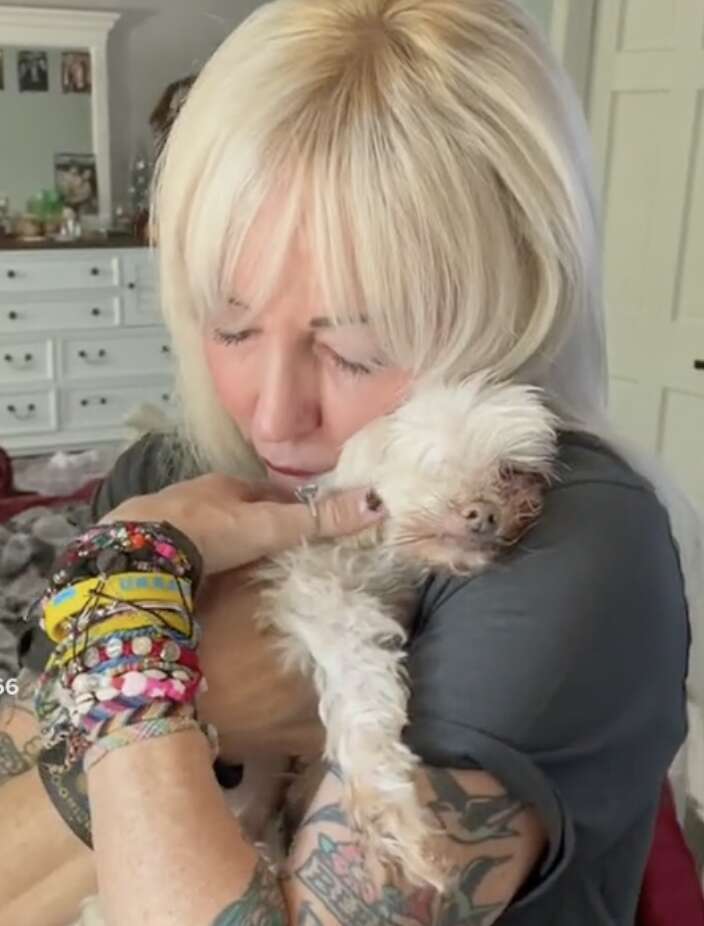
x=353 y=369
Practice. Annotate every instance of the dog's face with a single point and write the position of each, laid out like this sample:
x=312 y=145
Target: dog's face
x=461 y=471
x=462 y=522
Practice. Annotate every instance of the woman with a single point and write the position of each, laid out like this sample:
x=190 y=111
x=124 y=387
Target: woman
x=355 y=194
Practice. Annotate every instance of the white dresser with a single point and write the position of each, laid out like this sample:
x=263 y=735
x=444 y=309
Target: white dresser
x=81 y=346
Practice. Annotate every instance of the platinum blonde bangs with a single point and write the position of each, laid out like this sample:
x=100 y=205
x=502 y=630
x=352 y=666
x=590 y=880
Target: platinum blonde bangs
x=428 y=152
x=438 y=162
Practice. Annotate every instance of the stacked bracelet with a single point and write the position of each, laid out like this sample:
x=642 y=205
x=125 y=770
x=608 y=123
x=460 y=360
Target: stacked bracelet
x=127 y=546
x=125 y=667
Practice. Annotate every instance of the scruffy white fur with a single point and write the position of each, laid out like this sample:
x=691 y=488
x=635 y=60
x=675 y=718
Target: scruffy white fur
x=443 y=462
x=342 y=608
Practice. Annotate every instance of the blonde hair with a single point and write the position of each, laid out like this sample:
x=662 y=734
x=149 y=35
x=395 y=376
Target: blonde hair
x=432 y=152
x=439 y=161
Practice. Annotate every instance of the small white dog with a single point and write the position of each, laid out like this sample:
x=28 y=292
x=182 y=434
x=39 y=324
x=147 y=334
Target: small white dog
x=461 y=471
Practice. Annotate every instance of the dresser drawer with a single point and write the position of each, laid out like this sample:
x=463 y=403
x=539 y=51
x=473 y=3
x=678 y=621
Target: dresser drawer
x=27 y=411
x=108 y=406
x=141 y=273
x=99 y=312
x=116 y=354
x=24 y=273
x=24 y=361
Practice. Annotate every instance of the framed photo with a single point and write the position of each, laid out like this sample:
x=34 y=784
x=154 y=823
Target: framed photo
x=76 y=72
x=77 y=181
x=2 y=71
x=33 y=71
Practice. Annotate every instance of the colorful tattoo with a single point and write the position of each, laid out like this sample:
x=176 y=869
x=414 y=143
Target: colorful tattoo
x=261 y=905
x=335 y=872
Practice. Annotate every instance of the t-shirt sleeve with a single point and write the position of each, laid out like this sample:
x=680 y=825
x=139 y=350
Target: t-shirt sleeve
x=142 y=468
x=561 y=669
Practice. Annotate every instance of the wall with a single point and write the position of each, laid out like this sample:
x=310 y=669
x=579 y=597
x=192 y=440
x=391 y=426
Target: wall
x=35 y=126
x=541 y=9
x=157 y=41
x=153 y=43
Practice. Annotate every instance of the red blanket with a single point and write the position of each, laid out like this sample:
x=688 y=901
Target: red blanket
x=672 y=892
x=12 y=501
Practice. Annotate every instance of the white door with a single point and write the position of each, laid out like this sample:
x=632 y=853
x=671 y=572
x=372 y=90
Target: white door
x=647 y=115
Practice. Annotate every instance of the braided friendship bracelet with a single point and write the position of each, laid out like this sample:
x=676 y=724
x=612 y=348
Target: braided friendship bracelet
x=148 y=729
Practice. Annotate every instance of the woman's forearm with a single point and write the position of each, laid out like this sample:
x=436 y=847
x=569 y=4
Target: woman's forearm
x=168 y=850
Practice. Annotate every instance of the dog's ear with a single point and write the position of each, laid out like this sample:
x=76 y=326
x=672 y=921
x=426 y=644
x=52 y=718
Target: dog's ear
x=363 y=453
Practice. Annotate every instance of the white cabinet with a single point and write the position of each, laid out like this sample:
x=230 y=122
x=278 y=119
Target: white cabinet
x=81 y=345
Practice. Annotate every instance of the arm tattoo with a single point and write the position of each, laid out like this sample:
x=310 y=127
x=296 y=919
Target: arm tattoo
x=14 y=760
x=17 y=757
x=307 y=916
x=471 y=820
x=336 y=875
x=261 y=905
x=335 y=872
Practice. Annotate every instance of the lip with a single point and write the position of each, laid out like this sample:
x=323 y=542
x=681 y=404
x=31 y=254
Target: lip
x=287 y=471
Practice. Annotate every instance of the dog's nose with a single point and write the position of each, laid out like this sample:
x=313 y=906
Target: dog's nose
x=482 y=518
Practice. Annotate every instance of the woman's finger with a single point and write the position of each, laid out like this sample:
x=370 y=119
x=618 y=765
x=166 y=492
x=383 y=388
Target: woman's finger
x=282 y=526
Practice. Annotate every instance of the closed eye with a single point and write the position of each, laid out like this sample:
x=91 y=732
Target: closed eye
x=348 y=366
x=231 y=337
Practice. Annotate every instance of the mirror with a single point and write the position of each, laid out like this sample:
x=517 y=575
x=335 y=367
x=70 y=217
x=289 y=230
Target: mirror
x=47 y=131
x=54 y=111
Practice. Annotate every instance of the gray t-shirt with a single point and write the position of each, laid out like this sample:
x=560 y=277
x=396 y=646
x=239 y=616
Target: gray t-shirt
x=561 y=671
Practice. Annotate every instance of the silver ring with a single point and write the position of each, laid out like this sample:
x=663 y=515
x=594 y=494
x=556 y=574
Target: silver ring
x=307 y=495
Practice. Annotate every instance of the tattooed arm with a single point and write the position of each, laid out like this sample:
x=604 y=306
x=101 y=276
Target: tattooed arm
x=19 y=731
x=173 y=859
x=493 y=841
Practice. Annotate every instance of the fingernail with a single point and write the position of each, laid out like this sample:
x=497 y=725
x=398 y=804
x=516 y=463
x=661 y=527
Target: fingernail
x=372 y=503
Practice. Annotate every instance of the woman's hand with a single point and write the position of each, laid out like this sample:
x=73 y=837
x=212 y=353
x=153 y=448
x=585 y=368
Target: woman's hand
x=234 y=523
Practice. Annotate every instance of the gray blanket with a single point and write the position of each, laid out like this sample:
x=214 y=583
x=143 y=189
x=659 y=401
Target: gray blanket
x=29 y=543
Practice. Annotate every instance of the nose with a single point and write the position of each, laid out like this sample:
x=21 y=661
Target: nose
x=287 y=405
x=482 y=518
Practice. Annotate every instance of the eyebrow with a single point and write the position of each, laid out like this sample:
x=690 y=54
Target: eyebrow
x=321 y=321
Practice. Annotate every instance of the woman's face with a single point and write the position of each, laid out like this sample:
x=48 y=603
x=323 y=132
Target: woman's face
x=296 y=385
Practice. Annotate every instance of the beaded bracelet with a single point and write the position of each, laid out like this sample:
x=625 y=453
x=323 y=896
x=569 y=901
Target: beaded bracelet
x=82 y=647
x=127 y=546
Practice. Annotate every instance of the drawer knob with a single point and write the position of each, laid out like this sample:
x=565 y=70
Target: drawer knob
x=95 y=312
x=85 y=402
x=22 y=416
x=103 y=400
x=12 y=316
x=699 y=364
x=131 y=286
x=165 y=397
x=165 y=349
x=11 y=274
x=100 y=355
x=94 y=271
x=28 y=358
x=8 y=358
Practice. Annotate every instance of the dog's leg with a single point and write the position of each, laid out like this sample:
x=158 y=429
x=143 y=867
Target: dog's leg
x=354 y=645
